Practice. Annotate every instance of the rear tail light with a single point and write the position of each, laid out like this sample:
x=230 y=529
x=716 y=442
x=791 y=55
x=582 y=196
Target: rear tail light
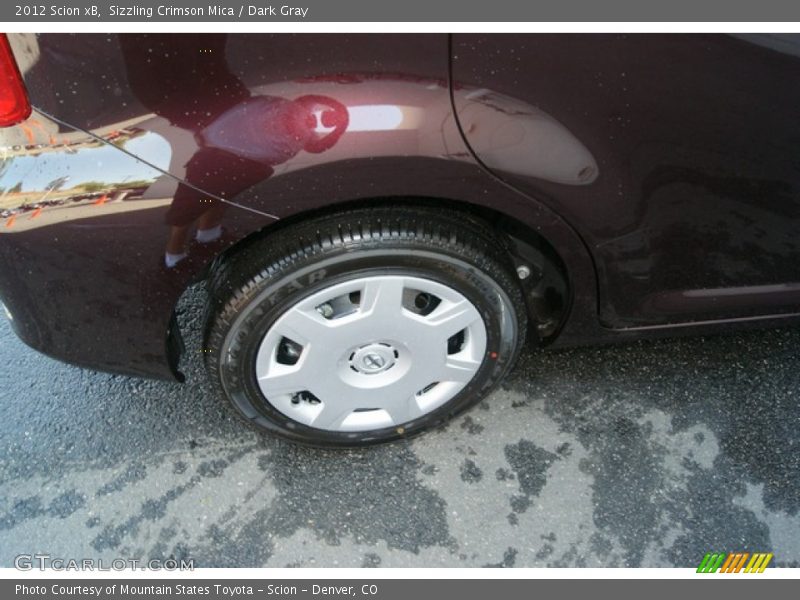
x=14 y=105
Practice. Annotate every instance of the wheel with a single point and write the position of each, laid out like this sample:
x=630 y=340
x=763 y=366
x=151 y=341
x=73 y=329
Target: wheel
x=365 y=326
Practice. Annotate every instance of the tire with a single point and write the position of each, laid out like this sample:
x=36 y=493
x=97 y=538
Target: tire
x=361 y=309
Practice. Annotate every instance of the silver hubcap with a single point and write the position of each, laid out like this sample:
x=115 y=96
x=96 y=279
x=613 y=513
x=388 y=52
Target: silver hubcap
x=370 y=353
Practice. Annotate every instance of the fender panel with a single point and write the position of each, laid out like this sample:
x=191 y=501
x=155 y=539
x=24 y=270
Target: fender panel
x=84 y=246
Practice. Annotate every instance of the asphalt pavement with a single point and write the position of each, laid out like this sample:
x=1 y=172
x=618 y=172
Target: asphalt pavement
x=649 y=454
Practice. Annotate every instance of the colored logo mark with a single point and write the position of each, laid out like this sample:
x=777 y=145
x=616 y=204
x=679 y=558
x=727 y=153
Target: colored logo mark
x=734 y=562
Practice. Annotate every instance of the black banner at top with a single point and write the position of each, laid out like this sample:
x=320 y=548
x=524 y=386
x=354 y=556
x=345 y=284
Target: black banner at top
x=256 y=11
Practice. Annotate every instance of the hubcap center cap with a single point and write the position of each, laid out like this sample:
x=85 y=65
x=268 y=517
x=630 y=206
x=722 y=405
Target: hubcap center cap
x=373 y=358
x=373 y=362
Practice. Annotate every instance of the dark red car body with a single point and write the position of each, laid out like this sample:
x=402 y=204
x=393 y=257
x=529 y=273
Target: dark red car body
x=657 y=176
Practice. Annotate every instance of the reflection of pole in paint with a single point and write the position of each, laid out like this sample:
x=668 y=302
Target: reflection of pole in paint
x=117 y=197
x=55 y=184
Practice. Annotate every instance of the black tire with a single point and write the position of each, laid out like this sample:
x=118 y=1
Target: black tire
x=252 y=289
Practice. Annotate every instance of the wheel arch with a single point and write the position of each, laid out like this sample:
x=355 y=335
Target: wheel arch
x=524 y=245
x=558 y=262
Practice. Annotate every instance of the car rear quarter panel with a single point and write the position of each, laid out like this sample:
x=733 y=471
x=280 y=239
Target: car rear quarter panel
x=121 y=157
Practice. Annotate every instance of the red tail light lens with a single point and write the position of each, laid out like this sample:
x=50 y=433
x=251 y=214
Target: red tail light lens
x=14 y=105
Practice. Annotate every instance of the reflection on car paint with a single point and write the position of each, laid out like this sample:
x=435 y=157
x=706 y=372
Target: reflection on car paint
x=275 y=129
x=523 y=139
x=94 y=173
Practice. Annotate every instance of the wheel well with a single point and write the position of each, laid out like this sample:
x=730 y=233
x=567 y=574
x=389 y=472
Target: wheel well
x=546 y=282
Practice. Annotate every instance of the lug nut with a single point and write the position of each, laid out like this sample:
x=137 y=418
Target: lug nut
x=523 y=272
x=326 y=310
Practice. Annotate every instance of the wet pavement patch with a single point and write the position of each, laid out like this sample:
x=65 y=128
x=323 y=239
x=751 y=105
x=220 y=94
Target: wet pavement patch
x=646 y=454
x=470 y=472
x=372 y=496
x=529 y=464
x=32 y=507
